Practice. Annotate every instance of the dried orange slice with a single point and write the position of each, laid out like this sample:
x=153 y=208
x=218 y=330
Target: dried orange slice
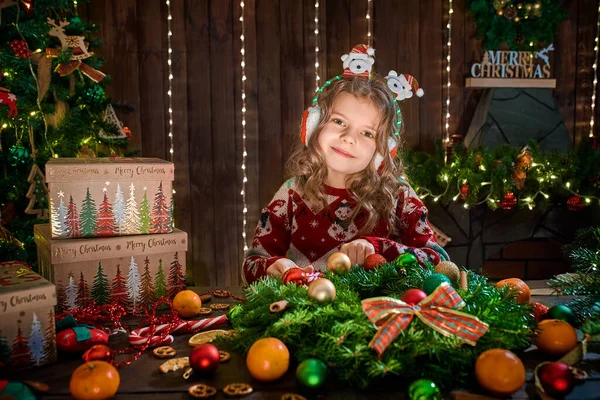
x=208 y=336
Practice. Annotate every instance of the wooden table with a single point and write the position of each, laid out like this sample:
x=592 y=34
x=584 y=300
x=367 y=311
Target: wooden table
x=143 y=380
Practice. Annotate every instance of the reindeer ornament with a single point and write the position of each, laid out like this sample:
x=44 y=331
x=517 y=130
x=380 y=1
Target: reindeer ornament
x=80 y=52
x=77 y=43
x=6 y=97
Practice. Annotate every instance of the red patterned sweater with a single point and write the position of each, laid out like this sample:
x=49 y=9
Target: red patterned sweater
x=289 y=228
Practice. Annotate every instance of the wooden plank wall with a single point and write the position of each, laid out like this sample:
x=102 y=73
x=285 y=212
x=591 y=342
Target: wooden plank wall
x=409 y=37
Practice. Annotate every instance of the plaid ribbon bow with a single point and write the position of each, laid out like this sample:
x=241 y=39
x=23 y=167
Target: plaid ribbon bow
x=70 y=66
x=439 y=311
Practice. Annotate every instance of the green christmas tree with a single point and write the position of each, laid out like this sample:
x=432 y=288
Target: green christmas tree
x=88 y=216
x=145 y=214
x=51 y=104
x=160 y=285
x=100 y=288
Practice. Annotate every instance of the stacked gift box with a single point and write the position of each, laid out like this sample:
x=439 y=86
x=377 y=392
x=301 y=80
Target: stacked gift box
x=111 y=236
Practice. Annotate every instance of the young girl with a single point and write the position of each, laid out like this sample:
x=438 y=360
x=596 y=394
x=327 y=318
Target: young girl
x=346 y=193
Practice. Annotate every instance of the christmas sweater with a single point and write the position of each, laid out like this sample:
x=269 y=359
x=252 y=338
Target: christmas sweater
x=290 y=228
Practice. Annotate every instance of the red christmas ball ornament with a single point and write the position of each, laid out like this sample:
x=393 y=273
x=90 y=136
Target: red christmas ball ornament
x=539 y=310
x=509 y=201
x=575 y=203
x=99 y=352
x=413 y=296
x=464 y=191
x=66 y=340
x=205 y=358
x=373 y=261
x=19 y=46
x=127 y=132
x=556 y=378
x=295 y=275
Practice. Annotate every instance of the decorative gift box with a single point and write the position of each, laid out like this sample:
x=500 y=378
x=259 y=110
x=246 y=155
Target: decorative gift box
x=129 y=270
x=95 y=197
x=27 y=332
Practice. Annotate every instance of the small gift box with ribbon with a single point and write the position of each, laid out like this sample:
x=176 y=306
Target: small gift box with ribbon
x=439 y=311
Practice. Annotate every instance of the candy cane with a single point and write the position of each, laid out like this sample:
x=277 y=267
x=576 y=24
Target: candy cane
x=162 y=333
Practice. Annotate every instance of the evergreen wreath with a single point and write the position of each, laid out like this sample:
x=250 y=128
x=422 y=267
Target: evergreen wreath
x=339 y=333
x=520 y=24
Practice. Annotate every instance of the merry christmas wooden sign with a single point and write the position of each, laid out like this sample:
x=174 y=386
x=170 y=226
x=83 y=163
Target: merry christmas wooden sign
x=506 y=68
x=115 y=196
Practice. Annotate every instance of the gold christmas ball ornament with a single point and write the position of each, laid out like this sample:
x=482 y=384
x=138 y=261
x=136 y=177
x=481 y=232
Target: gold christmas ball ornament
x=449 y=269
x=322 y=291
x=339 y=263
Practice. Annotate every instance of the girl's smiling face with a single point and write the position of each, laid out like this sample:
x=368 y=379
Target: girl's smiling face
x=347 y=139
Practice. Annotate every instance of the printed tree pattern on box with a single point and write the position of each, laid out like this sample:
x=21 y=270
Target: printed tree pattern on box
x=4 y=350
x=161 y=220
x=147 y=296
x=132 y=215
x=88 y=216
x=83 y=293
x=176 y=277
x=119 y=211
x=145 y=214
x=59 y=217
x=71 y=293
x=36 y=342
x=106 y=223
x=19 y=357
x=50 y=339
x=73 y=229
x=160 y=286
x=100 y=289
x=118 y=288
x=61 y=297
x=133 y=285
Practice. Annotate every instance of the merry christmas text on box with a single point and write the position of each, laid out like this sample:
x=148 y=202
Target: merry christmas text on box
x=131 y=270
x=27 y=331
x=98 y=197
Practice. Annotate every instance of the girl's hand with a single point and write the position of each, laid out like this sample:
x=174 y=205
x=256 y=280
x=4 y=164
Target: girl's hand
x=279 y=267
x=358 y=250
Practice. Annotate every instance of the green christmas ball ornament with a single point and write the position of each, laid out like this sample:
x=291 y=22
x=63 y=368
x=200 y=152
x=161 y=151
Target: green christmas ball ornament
x=312 y=373
x=19 y=155
x=94 y=95
x=424 y=389
x=406 y=260
x=433 y=281
x=562 y=312
x=76 y=24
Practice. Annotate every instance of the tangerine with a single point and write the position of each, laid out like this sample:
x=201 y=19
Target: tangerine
x=268 y=359
x=94 y=380
x=187 y=303
x=500 y=372
x=555 y=337
x=522 y=291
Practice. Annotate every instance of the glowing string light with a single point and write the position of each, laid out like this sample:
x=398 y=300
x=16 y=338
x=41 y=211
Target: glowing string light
x=594 y=71
x=448 y=59
x=170 y=91
x=244 y=152
x=317 y=77
x=369 y=23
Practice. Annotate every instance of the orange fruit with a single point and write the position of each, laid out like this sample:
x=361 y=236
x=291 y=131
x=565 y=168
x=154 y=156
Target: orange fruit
x=555 y=337
x=500 y=372
x=520 y=288
x=94 y=380
x=268 y=359
x=187 y=303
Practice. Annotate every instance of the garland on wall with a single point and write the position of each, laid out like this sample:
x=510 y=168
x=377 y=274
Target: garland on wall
x=508 y=177
x=522 y=25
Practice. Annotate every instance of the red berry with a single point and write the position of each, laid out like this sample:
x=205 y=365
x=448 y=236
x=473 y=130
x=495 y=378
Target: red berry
x=538 y=310
x=373 y=261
